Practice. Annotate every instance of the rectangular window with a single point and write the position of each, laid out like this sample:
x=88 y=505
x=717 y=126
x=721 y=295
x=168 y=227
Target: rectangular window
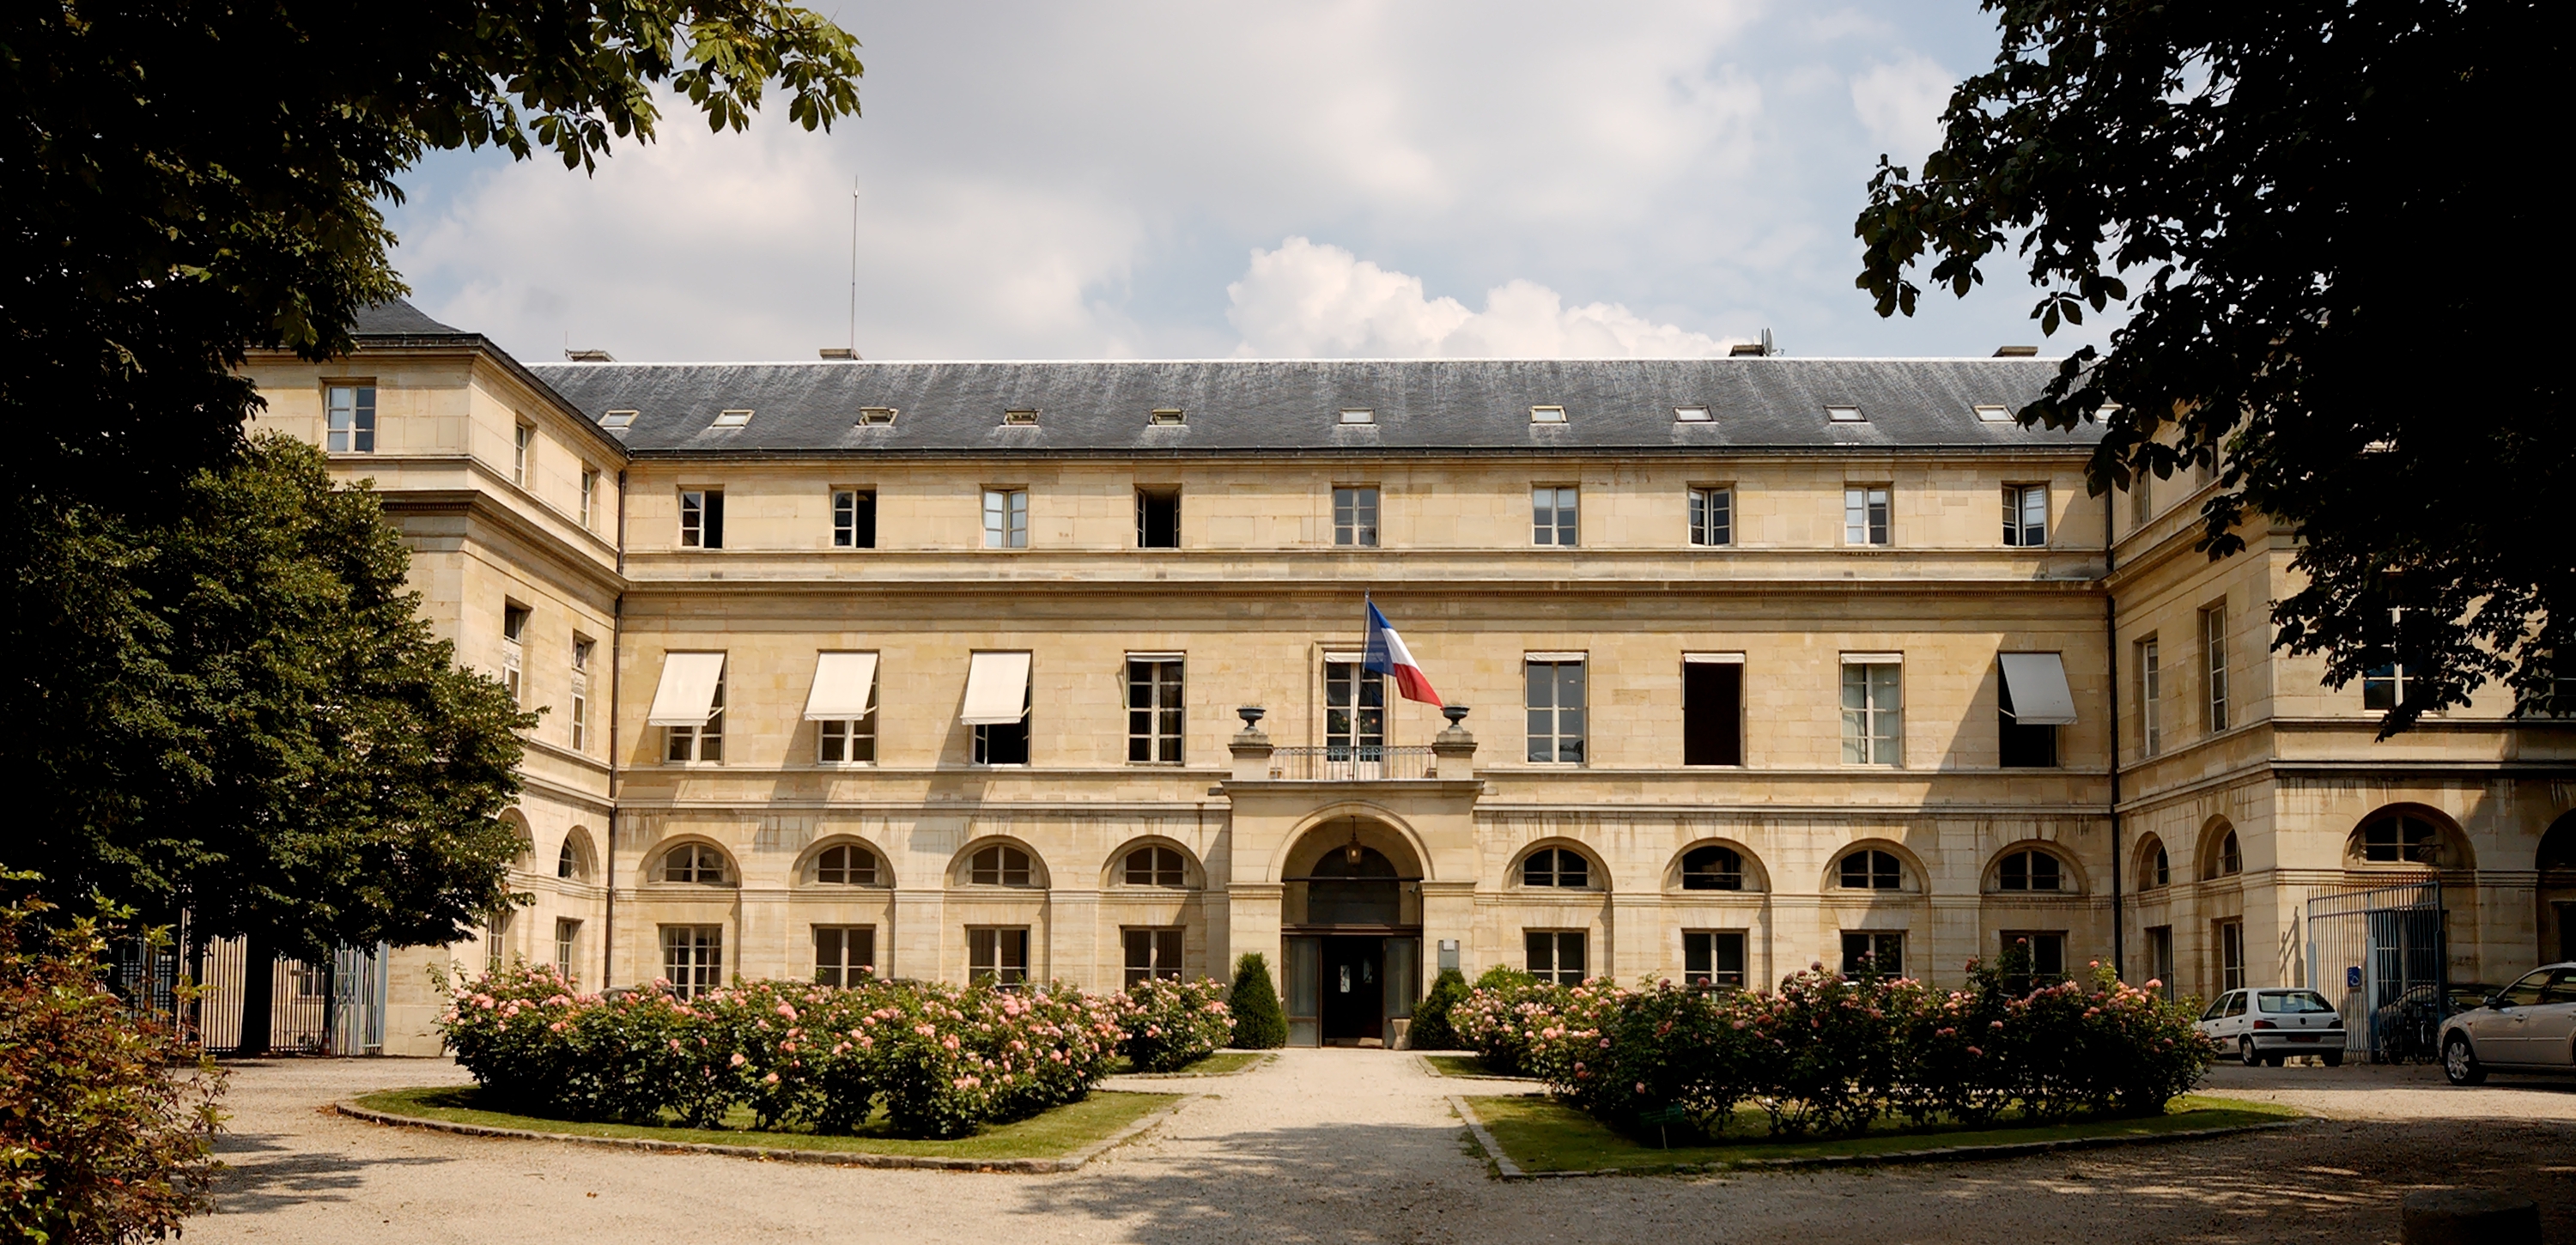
x=2213 y=652
x=997 y=706
x=1355 y=515
x=1158 y=518
x=1712 y=517
x=1713 y=958
x=496 y=940
x=580 y=715
x=589 y=496
x=349 y=422
x=567 y=945
x=2021 y=745
x=702 y=518
x=1873 y=710
x=998 y=956
x=1553 y=517
x=2047 y=953
x=698 y=743
x=1883 y=950
x=2151 y=698
x=1152 y=954
x=1865 y=515
x=1154 y=710
x=514 y=634
x=846 y=741
x=844 y=954
x=2160 y=959
x=1354 y=712
x=854 y=519
x=2142 y=501
x=693 y=958
x=1556 y=955
x=1006 y=518
x=2231 y=955
x=1556 y=726
x=1712 y=709
x=2025 y=515
x=2383 y=684
x=523 y=444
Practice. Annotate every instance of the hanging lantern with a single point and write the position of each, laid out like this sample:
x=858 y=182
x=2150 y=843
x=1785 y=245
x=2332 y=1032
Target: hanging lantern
x=1351 y=854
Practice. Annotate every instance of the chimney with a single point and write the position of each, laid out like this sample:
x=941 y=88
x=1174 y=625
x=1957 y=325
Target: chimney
x=588 y=356
x=840 y=352
x=2016 y=352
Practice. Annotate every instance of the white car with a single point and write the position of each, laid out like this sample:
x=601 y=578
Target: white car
x=2268 y=1026
x=2529 y=1026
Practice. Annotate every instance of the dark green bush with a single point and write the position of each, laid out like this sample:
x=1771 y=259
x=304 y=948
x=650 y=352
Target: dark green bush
x=1431 y=1029
x=1258 y=1022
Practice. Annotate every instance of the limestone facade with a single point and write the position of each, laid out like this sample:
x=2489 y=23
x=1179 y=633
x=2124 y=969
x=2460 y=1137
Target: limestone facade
x=482 y=461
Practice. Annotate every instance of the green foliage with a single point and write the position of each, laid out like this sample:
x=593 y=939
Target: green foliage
x=1430 y=1029
x=941 y=1060
x=1172 y=1024
x=1832 y=1054
x=1259 y=1024
x=107 y=1119
x=275 y=741
x=2287 y=185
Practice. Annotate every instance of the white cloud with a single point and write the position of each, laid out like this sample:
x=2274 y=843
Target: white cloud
x=1901 y=105
x=1306 y=300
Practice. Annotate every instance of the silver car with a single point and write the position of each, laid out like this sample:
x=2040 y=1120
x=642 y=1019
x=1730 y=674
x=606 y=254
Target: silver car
x=2529 y=1026
x=2267 y=1026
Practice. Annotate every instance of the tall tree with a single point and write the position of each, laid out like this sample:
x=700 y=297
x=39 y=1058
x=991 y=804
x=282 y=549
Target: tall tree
x=2332 y=210
x=285 y=751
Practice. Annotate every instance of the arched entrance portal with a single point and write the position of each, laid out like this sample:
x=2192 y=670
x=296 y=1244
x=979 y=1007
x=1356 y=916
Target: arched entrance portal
x=1350 y=933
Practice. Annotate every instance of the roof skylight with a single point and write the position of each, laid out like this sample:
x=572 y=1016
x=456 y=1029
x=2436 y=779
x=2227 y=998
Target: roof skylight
x=1165 y=416
x=876 y=415
x=1843 y=414
x=1692 y=415
x=1020 y=416
x=732 y=419
x=1358 y=415
x=1995 y=414
x=616 y=419
x=1547 y=414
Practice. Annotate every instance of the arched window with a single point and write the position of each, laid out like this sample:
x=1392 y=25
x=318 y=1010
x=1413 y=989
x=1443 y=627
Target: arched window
x=1712 y=868
x=2398 y=838
x=846 y=865
x=1556 y=866
x=1156 y=866
x=1000 y=865
x=2227 y=859
x=2163 y=868
x=2031 y=871
x=1872 y=871
x=694 y=862
x=568 y=861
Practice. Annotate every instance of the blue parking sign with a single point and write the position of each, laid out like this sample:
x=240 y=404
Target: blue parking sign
x=2352 y=977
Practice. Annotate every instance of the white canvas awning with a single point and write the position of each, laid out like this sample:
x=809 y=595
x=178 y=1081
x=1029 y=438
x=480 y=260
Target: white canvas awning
x=843 y=684
x=2037 y=684
x=997 y=689
x=687 y=696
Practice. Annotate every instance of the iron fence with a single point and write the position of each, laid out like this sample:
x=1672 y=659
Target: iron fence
x=2379 y=954
x=1353 y=763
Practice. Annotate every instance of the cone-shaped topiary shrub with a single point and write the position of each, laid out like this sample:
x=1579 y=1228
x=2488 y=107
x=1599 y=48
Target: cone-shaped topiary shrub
x=1258 y=1022
x=1431 y=1029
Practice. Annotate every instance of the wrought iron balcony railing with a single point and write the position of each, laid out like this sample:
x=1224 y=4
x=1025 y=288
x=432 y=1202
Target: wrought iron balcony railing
x=1353 y=763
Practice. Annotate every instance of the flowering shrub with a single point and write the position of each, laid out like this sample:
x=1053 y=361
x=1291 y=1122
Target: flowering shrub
x=1833 y=1054
x=941 y=1060
x=1172 y=1024
x=107 y=1119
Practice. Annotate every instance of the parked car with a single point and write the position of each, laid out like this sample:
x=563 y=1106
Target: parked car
x=2529 y=1026
x=2268 y=1026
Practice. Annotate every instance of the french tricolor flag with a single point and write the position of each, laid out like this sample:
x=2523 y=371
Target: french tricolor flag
x=1388 y=656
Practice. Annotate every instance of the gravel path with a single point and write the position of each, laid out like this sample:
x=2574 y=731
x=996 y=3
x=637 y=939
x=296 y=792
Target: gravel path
x=1360 y=1146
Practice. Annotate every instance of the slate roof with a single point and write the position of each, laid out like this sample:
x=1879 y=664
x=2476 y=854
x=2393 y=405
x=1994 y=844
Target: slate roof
x=400 y=319
x=1236 y=406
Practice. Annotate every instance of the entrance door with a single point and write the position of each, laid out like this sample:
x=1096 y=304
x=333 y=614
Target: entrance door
x=1354 y=989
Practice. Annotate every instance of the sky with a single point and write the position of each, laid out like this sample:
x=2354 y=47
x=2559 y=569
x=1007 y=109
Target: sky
x=1163 y=180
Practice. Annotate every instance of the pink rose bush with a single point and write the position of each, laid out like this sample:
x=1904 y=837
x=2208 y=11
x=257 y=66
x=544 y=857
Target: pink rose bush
x=940 y=1060
x=1829 y=1054
x=1172 y=1024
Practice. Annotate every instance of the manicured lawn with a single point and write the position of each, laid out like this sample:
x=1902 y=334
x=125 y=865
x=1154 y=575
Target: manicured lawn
x=1052 y=1135
x=1542 y=1135
x=1457 y=1065
x=1217 y=1063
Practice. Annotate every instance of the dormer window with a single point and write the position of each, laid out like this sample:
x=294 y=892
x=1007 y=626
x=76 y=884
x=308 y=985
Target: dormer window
x=1995 y=414
x=1358 y=415
x=1020 y=417
x=732 y=419
x=869 y=415
x=1692 y=415
x=1166 y=416
x=617 y=419
x=1843 y=414
x=1547 y=414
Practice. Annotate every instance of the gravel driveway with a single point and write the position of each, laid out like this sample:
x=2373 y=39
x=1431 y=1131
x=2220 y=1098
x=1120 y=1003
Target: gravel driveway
x=1360 y=1146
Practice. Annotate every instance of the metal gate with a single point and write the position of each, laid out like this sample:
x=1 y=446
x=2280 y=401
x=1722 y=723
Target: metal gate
x=334 y=1007
x=2379 y=954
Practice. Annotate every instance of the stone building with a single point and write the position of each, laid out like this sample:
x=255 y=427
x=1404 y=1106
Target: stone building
x=1052 y=671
